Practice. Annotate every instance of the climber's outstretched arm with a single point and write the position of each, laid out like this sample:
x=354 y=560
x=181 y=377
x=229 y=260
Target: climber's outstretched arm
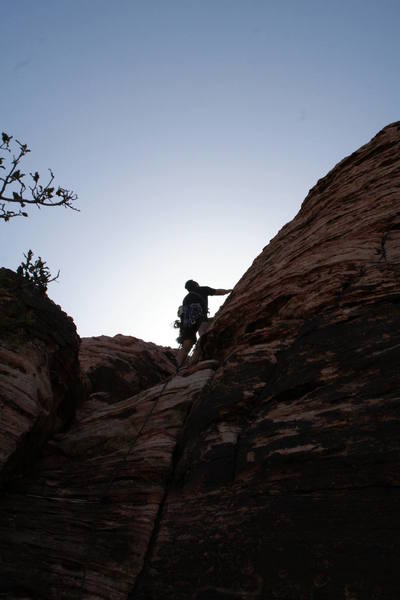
x=222 y=292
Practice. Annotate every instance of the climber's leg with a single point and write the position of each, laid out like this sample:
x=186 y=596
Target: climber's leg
x=184 y=351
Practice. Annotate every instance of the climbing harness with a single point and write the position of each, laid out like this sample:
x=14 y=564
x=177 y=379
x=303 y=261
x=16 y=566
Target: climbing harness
x=190 y=314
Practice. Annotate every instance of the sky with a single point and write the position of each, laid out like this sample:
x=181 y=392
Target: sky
x=191 y=131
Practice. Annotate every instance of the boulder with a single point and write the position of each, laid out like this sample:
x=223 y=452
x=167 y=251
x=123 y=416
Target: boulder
x=122 y=366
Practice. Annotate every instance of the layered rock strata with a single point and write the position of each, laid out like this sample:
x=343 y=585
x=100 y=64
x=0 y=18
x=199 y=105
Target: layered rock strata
x=288 y=485
x=122 y=366
x=39 y=371
x=80 y=524
x=276 y=476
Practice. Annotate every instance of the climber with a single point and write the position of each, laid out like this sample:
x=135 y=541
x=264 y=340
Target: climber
x=194 y=316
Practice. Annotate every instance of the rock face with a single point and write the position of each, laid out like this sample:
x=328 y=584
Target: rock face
x=122 y=365
x=39 y=371
x=96 y=495
x=271 y=473
x=287 y=486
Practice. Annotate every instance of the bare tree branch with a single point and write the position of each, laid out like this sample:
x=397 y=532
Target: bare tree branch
x=14 y=191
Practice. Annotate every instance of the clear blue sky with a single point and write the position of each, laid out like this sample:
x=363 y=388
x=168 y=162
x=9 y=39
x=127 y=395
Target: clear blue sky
x=191 y=130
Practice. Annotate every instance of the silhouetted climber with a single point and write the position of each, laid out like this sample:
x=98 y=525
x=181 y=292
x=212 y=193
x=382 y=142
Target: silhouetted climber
x=194 y=316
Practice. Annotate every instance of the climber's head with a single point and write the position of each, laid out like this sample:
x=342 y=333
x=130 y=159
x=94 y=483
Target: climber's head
x=191 y=285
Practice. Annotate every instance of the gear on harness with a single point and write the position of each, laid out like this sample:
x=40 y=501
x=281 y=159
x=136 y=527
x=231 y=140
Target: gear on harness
x=189 y=315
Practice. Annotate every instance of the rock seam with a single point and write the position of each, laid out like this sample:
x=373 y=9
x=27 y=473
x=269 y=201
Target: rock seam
x=170 y=478
x=109 y=484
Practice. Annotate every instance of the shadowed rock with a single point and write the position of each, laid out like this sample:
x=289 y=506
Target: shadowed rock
x=39 y=371
x=123 y=365
x=270 y=473
x=96 y=495
x=288 y=482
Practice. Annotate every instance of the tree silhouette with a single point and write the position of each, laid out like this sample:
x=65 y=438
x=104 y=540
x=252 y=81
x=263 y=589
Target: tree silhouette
x=16 y=194
x=36 y=272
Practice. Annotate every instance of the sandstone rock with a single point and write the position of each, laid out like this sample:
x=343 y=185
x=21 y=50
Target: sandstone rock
x=123 y=365
x=273 y=474
x=198 y=366
x=288 y=484
x=82 y=522
x=39 y=371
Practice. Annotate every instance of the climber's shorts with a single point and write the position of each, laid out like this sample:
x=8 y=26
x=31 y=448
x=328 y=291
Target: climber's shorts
x=189 y=333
